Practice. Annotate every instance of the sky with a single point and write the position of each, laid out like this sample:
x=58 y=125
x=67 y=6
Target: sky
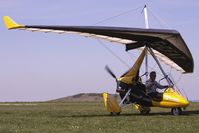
x=37 y=66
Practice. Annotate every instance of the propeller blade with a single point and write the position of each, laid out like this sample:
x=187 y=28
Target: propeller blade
x=110 y=72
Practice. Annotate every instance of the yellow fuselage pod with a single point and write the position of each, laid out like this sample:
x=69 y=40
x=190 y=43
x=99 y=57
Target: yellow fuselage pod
x=111 y=104
x=172 y=99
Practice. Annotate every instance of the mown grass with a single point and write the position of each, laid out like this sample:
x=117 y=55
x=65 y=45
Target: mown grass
x=91 y=118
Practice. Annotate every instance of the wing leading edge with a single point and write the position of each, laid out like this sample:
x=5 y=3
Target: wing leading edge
x=169 y=46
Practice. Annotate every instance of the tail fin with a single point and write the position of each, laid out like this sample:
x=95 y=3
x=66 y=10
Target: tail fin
x=111 y=104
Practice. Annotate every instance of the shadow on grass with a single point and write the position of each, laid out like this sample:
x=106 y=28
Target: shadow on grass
x=126 y=114
x=96 y=115
x=191 y=112
x=184 y=113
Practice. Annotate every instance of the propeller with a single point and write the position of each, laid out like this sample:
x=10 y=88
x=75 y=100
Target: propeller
x=112 y=74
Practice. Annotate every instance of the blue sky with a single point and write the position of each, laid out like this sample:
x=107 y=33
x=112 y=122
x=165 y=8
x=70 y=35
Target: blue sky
x=38 y=66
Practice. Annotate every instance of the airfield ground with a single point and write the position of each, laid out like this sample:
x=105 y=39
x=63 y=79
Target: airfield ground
x=92 y=118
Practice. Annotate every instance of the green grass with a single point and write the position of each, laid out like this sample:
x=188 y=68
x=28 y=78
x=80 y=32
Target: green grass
x=91 y=118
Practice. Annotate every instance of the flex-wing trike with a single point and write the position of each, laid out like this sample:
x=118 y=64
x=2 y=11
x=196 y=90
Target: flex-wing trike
x=162 y=44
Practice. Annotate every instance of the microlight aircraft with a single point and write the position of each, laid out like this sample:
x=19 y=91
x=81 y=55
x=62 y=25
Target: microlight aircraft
x=164 y=45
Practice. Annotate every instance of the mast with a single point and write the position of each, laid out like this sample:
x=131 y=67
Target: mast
x=146 y=17
x=146 y=26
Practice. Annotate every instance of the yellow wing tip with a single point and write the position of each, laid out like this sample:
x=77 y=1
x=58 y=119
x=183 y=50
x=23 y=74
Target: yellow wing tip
x=11 y=24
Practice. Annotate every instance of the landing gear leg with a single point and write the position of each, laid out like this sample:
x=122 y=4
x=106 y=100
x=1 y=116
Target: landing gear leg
x=176 y=111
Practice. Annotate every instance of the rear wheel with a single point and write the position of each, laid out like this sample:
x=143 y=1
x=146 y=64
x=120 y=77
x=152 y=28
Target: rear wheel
x=114 y=113
x=176 y=111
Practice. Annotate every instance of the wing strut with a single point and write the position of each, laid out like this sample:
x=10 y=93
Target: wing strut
x=165 y=75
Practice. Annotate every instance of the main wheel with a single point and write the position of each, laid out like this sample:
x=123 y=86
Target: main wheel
x=176 y=111
x=145 y=110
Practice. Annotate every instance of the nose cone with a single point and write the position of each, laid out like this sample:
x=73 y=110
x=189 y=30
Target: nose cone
x=173 y=99
x=183 y=102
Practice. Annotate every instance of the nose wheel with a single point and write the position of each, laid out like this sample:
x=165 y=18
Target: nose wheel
x=176 y=111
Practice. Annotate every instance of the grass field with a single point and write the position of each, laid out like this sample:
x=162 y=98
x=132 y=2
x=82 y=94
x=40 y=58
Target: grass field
x=91 y=118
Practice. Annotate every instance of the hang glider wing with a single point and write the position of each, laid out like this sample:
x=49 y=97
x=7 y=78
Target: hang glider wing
x=169 y=46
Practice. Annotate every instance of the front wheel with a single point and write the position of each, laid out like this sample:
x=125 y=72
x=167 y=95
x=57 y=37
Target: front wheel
x=176 y=111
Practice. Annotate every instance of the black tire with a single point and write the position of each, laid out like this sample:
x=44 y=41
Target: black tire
x=118 y=113
x=176 y=111
x=114 y=113
x=145 y=111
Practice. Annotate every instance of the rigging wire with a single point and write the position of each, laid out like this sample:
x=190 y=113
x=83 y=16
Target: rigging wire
x=115 y=55
x=180 y=77
x=184 y=93
x=107 y=19
x=176 y=83
x=160 y=20
x=118 y=15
